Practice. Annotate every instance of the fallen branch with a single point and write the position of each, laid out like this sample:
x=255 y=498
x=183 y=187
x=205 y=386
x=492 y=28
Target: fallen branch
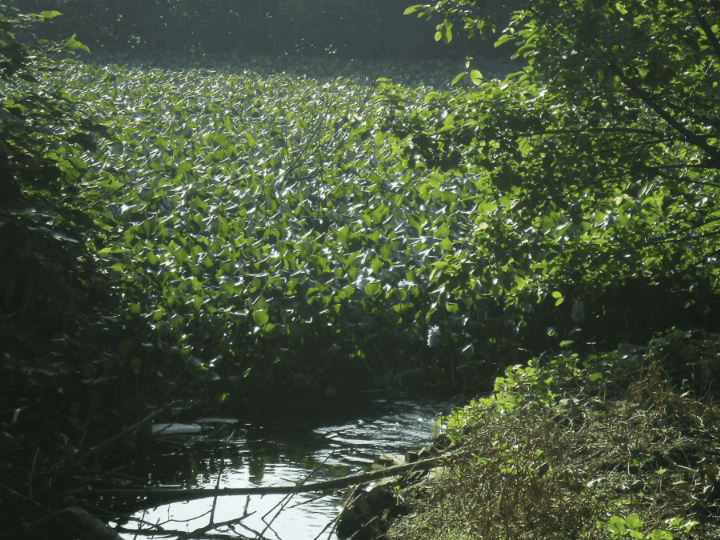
x=289 y=496
x=172 y=495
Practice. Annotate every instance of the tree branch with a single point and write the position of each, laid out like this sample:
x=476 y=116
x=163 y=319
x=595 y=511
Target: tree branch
x=648 y=99
x=656 y=170
x=712 y=38
x=605 y=130
x=690 y=237
x=170 y=495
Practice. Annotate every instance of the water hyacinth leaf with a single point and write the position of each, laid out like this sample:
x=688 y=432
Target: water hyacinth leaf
x=343 y=234
x=349 y=290
x=436 y=179
x=261 y=317
x=373 y=289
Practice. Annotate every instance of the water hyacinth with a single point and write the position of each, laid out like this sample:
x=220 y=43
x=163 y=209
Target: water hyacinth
x=260 y=206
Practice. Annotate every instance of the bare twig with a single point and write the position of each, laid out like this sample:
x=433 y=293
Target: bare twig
x=94 y=450
x=197 y=533
x=289 y=496
x=220 y=469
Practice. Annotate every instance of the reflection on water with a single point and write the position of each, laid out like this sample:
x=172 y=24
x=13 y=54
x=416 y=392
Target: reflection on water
x=282 y=447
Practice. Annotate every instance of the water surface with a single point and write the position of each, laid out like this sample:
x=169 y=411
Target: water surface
x=267 y=447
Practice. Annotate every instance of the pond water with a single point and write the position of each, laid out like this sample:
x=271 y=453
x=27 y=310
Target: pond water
x=280 y=446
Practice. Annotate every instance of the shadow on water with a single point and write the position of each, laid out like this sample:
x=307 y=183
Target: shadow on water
x=275 y=444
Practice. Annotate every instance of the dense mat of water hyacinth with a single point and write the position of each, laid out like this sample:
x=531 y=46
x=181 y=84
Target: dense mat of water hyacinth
x=263 y=218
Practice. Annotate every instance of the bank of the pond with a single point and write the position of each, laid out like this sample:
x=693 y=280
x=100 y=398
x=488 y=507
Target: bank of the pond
x=578 y=447
x=540 y=461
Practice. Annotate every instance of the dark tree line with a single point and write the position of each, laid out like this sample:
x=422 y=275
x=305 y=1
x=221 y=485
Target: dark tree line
x=372 y=29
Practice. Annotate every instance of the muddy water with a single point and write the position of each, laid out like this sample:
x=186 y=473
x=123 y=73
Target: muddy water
x=324 y=439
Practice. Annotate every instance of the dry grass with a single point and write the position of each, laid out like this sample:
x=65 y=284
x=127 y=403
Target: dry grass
x=572 y=469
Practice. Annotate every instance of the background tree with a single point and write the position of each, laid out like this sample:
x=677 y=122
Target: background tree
x=600 y=163
x=67 y=355
x=48 y=278
x=373 y=29
x=45 y=267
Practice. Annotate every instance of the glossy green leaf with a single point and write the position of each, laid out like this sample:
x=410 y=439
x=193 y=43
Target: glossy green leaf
x=260 y=317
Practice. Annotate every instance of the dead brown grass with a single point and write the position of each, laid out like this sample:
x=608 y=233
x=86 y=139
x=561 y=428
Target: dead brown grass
x=557 y=471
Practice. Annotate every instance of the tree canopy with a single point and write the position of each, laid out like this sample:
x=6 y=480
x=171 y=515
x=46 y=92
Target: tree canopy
x=599 y=160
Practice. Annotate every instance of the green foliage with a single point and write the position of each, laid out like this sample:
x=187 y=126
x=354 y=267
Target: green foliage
x=250 y=222
x=571 y=443
x=73 y=368
x=50 y=286
x=544 y=383
x=271 y=232
x=597 y=164
x=245 y=231
x=46 y=270
x=539 y=384
x=242 y=232
x=258 y=220
x=630 y=527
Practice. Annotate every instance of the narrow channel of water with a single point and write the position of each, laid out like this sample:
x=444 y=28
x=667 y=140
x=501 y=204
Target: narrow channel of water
x=269 y=447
